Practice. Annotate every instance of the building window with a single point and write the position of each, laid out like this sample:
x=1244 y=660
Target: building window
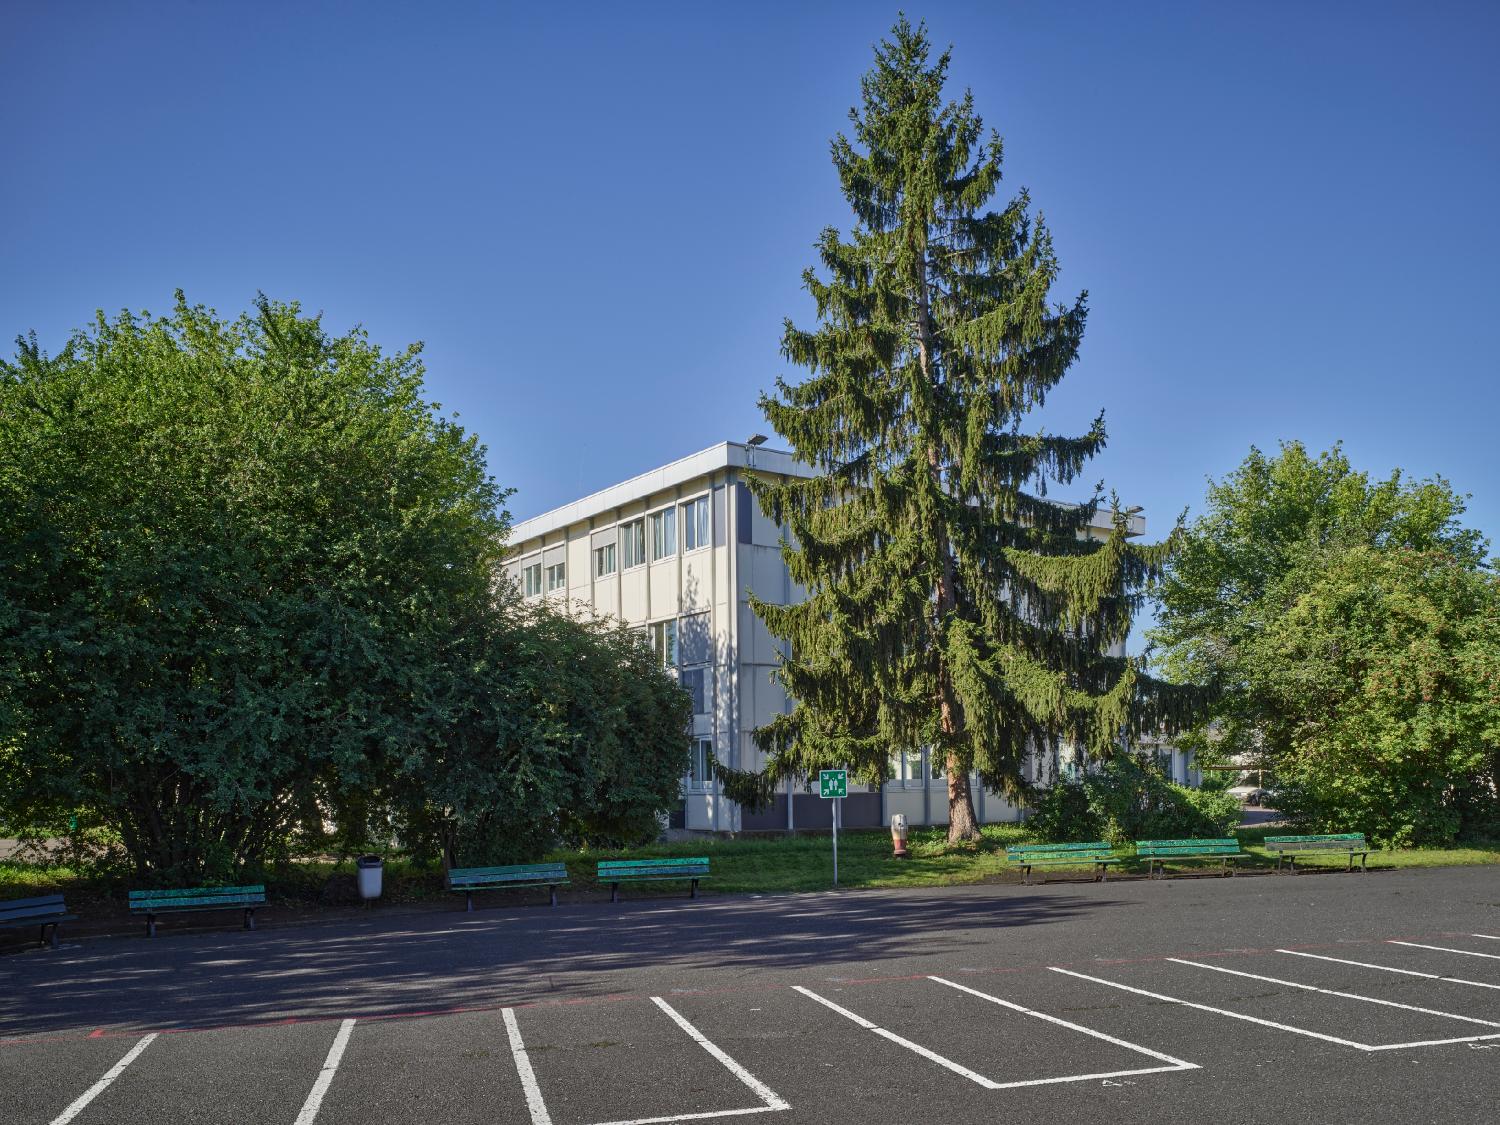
x=935 y=770
x=701 y=765
x=664 y=642
x=695 y=524
x=604 y=560
x=632 y=544
x=663 y=533
x=695 y=681
x=533 y=575
x=557 y=576
x=906 y=769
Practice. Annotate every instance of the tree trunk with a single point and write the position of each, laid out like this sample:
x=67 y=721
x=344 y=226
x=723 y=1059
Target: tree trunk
x=963 y=824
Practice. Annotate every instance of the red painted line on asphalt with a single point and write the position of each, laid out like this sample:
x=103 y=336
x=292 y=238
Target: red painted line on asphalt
x=613 y=998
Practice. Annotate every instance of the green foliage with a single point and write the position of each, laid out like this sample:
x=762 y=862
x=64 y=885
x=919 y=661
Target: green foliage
x=1384 y=674
x=557 y=729
x=1060 y=813
x=950 y=604
x=247 y=583
x=1353 y=633
x=1126 y=800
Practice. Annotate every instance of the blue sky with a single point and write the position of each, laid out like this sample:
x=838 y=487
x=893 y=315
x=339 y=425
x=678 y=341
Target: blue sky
x=595 y=216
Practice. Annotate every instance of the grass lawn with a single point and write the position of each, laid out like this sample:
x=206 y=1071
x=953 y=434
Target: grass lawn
x=748 y=864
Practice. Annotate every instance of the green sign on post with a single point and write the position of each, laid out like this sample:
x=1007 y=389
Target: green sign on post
x=833 y=783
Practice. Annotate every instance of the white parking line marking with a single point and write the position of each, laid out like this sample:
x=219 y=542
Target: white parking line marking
x=1176 y=1064
x=1487 y=937
x=762 y=1091
x=1335 y=992
x=931 y=1056
x=538 y=1108
x=325 y=1077
x=99 y=1087
x=1445 y=949
x=699 y=1116
x=1216 y=1011
x=1389 y=969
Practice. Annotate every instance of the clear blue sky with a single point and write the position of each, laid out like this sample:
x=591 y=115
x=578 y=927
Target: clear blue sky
x=596 y=216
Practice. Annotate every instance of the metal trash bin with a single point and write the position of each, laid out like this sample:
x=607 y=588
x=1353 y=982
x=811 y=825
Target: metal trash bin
x=371 y=871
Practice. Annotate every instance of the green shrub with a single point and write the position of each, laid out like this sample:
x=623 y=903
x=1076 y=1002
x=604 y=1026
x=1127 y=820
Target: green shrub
x=1127 y=800
x=1060 y=813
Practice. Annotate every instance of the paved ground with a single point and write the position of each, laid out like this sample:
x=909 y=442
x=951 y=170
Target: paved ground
x=1315 y=998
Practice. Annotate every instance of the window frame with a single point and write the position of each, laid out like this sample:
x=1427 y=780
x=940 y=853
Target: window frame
x=557 y=576
x=700 y=762
x=663 y=537
x=706 y=672
x=602 y=552
x=633 y=538
x=531 y=578
x=697 y=524
x=668 y=628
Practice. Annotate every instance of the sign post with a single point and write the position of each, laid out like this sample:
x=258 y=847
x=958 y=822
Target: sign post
x=834 y=785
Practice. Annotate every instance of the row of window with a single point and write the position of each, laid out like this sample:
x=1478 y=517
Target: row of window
x=631 y=548
x=556 y=577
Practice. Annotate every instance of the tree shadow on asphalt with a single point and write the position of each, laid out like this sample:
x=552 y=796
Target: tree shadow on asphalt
x=443 y=961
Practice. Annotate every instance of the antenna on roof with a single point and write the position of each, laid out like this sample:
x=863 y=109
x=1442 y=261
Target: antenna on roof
x=756 y=439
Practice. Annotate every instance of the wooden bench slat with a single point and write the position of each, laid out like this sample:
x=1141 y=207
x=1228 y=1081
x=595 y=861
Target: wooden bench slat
x=169 y=905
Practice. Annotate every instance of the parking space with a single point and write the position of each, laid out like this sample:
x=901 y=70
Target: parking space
x=1154 y=1030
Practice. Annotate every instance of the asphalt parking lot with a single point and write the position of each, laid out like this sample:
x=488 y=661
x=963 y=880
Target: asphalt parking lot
x=1319 y=998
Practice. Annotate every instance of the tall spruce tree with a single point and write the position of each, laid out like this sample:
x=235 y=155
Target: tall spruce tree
x=949 y=605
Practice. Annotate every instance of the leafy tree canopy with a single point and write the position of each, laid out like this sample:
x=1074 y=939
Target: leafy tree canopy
x=248 y=581
x=1352 y=628
x=231 y=552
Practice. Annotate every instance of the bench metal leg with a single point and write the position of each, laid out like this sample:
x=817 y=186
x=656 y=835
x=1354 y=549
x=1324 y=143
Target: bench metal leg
x=1362 y=857
x=1103 y=874
x=150 y=925
x=250 y=918
x=41 y=939
x=694 y=892
x=552 y=893
x=469 y=899
x=614 y=892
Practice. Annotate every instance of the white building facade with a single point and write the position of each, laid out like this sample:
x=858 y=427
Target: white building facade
x=673 y=553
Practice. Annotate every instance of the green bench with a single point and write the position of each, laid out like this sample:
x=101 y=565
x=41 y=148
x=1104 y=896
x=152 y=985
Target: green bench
x=617 y=871
x=1026 y=856
x=467 y=880
x=1344 y=843
x=1157 y=853
x=43 y=911
x=190 y=899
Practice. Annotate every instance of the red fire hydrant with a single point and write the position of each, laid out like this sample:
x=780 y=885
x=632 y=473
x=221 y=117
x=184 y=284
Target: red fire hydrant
x=898 y=836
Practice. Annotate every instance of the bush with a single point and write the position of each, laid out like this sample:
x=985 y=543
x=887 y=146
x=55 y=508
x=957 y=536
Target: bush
x=1060 y=812
x=1129 y=800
